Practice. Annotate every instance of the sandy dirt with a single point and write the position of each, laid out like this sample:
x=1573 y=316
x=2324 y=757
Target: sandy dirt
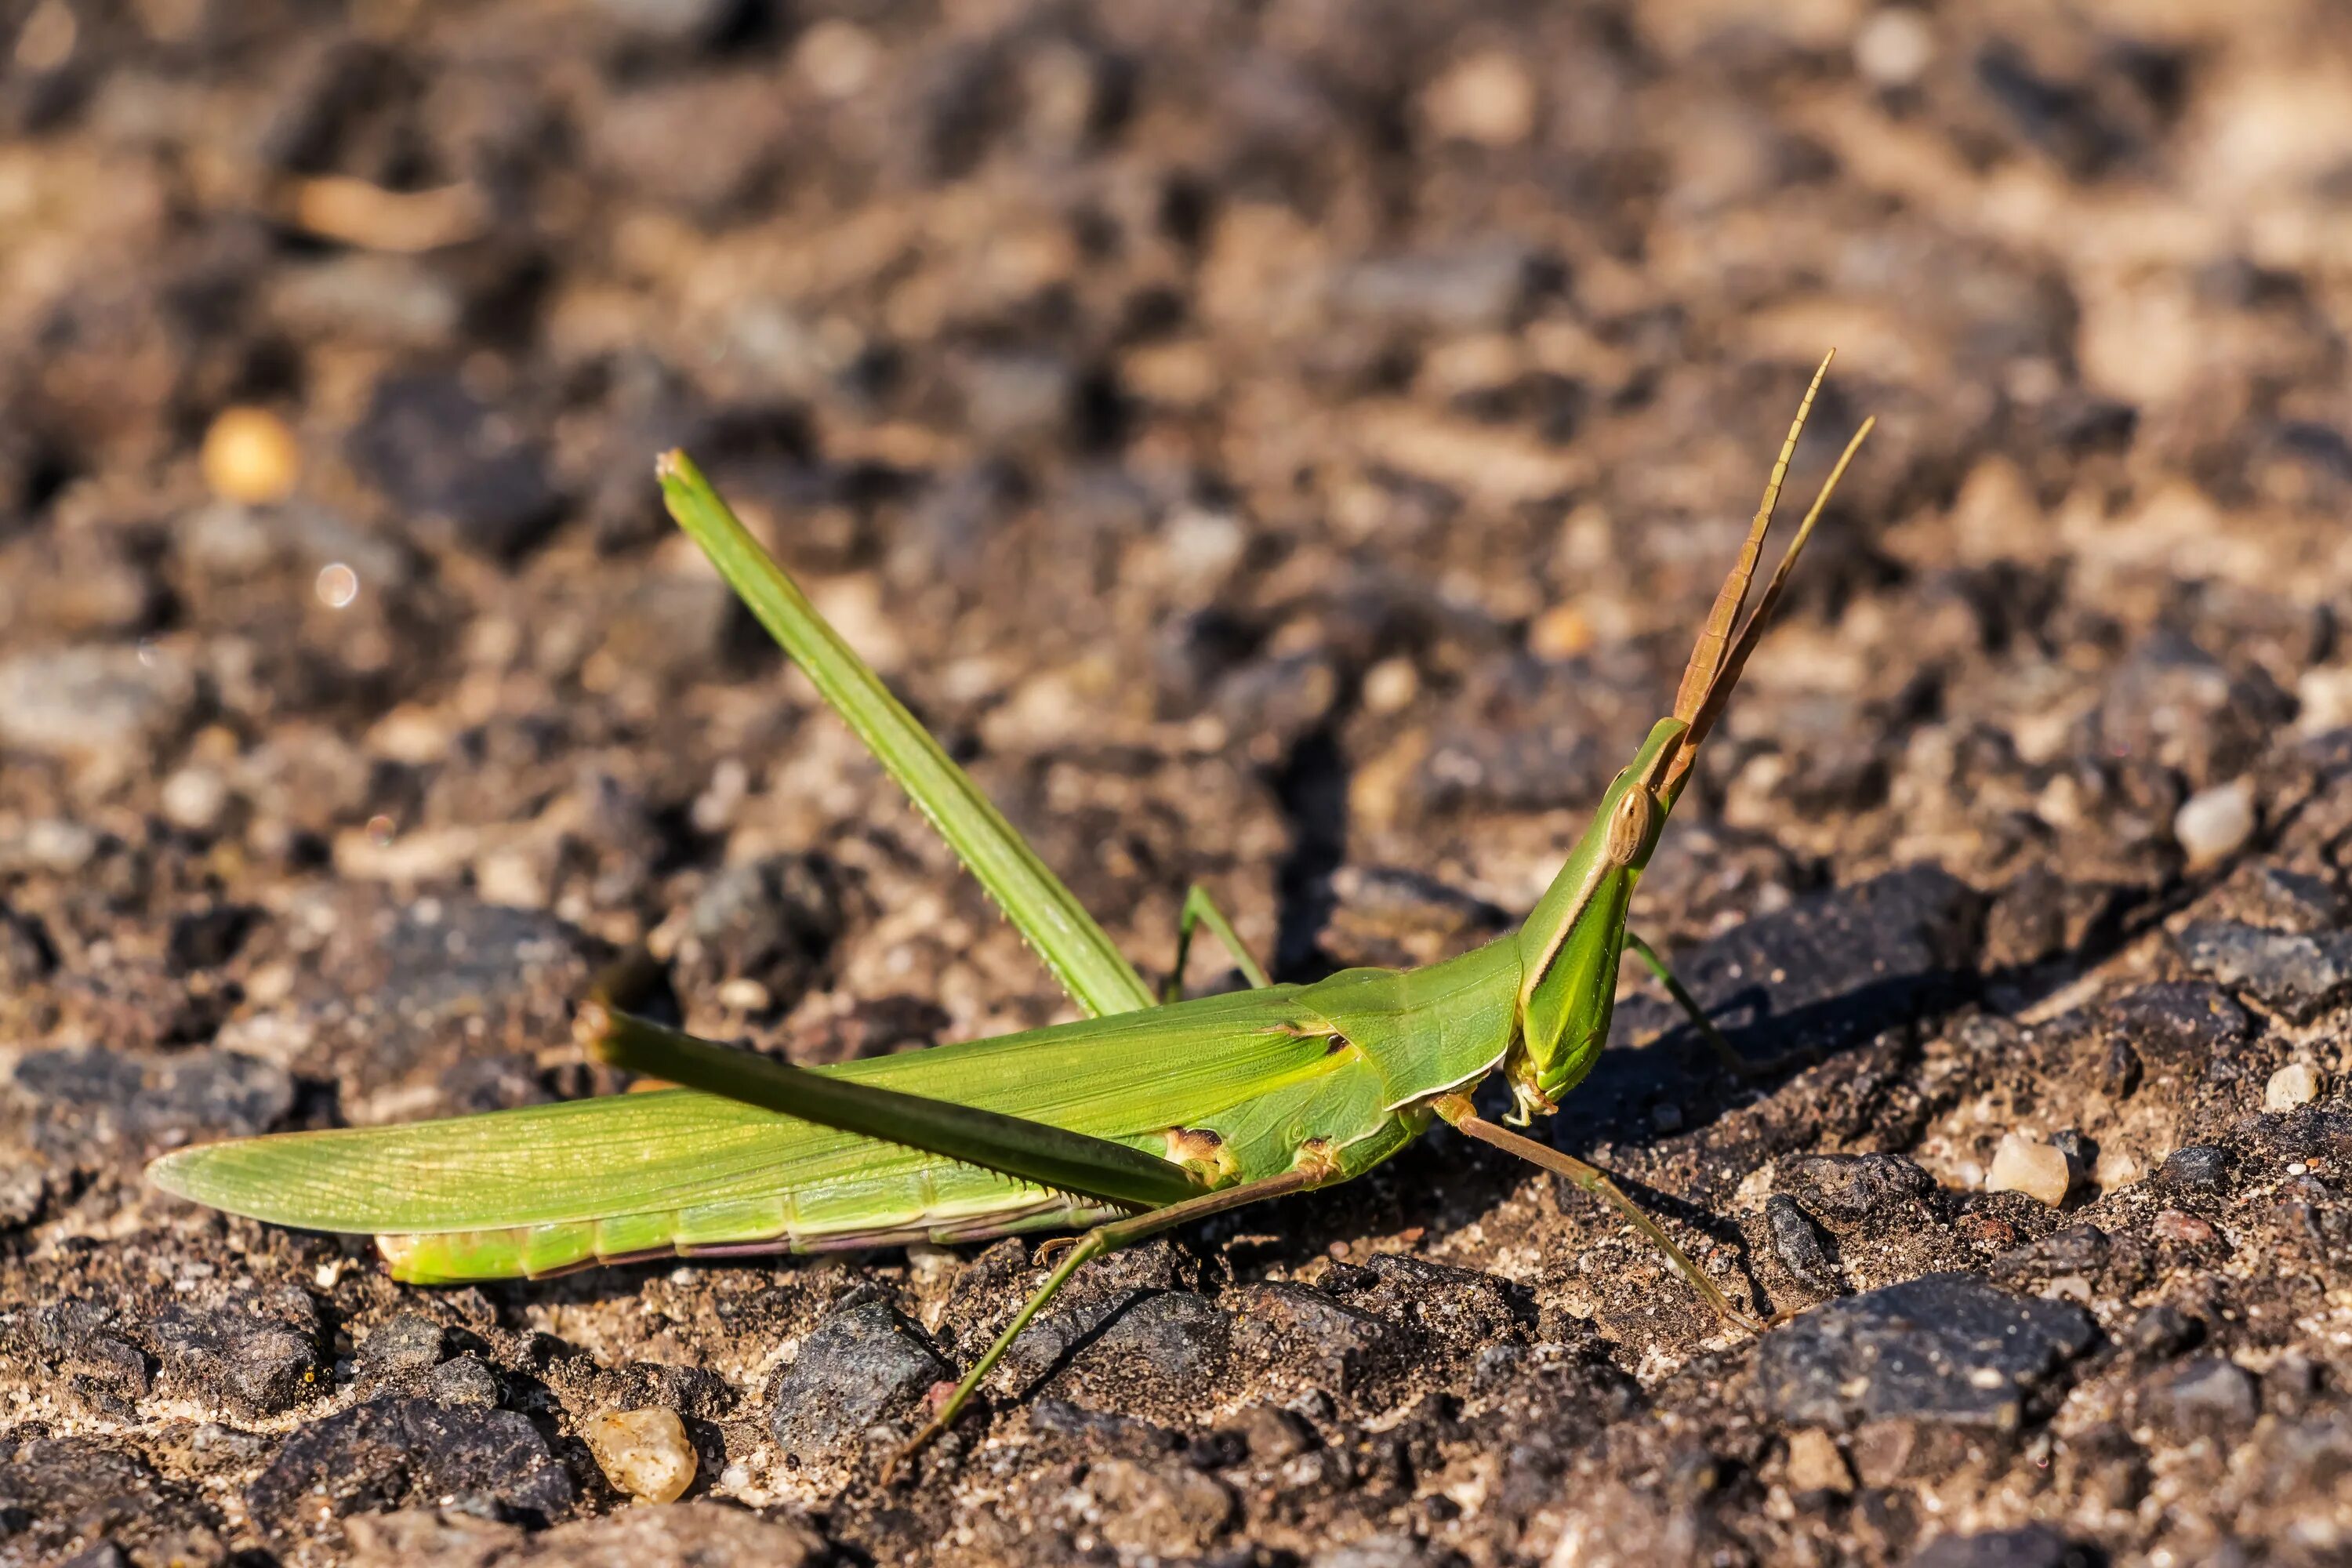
x=1288 y=446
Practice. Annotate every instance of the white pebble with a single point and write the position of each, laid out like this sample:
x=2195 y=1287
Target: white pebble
x=2037 y=1170
x=2214 y=824
x=194 y=798
x=643 y=1453
x=1391 y=685
x=1895 y=48
x=1488 y=98
x=2292 y=1085
x=2323 y=699
x=54 y=844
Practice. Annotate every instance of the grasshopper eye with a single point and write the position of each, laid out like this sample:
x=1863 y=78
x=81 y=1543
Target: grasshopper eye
x=1629 y=827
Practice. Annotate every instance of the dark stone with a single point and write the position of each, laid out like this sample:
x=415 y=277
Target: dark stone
x=26 y=954
x=2282 y=899
x=2211 y=1396
x=1272 y=1434
x=405 y=1346
x=84 y=1339
x=2031 y=1546
x=1331 y=1345
x=693 y=1392
x=1523 y=736
x=1283 y=698
x=396 y=982
x=855 y=1370
x=391 y=1453
x=1947 y=1348
x=2178 y=1026
x=1391 y=916
x=208 y=1091
x=1853 y=1186
x=57 y=1489
x=260 y=1356
x=2172 y=708
x=443 y=455
x=2194 y=1170
x=1835 y=968
x=772 y=920
x=2294 y=973
x=465 y=1380
x=702 y=1533
x=1161 y=1507
x=1450 y=1310
x=2119 y=1070
x=2306 y=1133
x=1798 y=1245
x=502 y=1080
x=2160 y=1334
x=206 y=939
x=2293 y=1385
x=1474 y=284
x=1101 y=1431
x=1218 y=1450
x=1174 y=1335
x=1094 y=1313
x=2105 y=1465
x=2079 y=1246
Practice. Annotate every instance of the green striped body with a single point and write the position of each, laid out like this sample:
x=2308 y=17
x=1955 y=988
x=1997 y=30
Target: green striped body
x=1335 y=1071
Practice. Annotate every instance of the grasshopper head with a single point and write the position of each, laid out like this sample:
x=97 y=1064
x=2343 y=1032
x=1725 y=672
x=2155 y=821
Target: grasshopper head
x=1569 y=947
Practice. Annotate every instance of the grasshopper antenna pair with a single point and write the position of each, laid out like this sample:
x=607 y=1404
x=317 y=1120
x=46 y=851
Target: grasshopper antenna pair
x=1149 y=1112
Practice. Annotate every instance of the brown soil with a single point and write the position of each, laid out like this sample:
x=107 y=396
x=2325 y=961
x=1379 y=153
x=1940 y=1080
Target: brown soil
x=1285 y=447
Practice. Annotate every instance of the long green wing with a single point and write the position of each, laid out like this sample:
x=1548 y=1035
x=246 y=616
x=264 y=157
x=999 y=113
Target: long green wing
x=1127 y=1078
x=1028 y=1151
x=1081 y=957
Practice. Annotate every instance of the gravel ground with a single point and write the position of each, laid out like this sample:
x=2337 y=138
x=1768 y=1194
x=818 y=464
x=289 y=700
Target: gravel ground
x=1284 y=445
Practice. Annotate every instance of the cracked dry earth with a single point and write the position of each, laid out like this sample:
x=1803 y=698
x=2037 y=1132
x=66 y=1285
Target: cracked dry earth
x=1285 y=446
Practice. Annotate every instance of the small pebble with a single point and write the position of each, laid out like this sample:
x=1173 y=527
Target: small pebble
x=465 y=1380
x=1488 y=98
x=1391 y=686
x=643 y=1453
x=1560 y=633
x=2292 y=1085
x=1814 y=1463
x=250 y=455
x=2193 y=1168
x=194 y=798
x=408 y=1343
x=1895 y=48
x=54 y=844
x=2214 y=824
x=2037 y=1170
x=1798 y=1245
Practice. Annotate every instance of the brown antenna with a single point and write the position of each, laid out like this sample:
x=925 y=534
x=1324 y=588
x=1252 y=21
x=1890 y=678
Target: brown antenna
x=1719 y=658
x=1706 y=654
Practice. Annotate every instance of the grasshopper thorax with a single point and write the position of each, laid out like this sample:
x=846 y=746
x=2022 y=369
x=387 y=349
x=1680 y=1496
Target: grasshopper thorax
x=1569 y=946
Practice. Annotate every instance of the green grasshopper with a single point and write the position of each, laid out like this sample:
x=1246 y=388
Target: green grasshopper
x=1144 y=1116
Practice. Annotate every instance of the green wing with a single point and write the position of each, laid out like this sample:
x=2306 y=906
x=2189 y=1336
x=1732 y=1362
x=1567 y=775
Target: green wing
x=1015 y=1146
x=1127 y=1078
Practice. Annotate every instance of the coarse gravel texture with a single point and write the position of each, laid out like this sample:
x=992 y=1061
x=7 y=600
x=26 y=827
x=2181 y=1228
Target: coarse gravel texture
x=1288 y=447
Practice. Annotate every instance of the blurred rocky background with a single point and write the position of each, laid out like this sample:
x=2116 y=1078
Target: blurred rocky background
x=1287 y=446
